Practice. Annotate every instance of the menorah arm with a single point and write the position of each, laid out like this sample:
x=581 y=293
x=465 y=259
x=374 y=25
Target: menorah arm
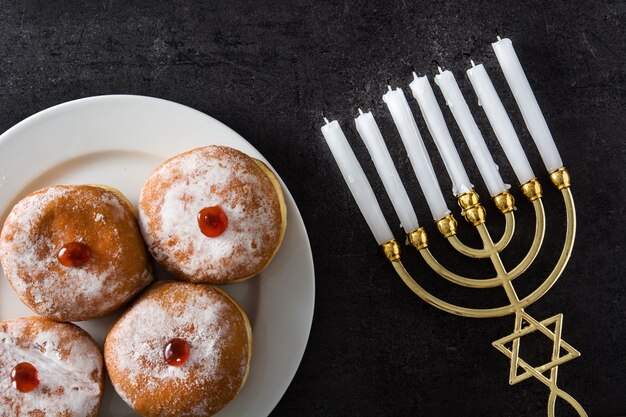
x=568 y=245
x=463 y=249
x=443 y=272
x=509 y=229
x=444 y=305
x=419 y=239
x=540 y=228
x=471 y=252
x=540 y=231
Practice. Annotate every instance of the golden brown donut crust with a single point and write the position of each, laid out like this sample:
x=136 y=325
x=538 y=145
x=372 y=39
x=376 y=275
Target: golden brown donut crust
x=69 y=367
x=245 y=189
x=218 y=333
x=40 y=224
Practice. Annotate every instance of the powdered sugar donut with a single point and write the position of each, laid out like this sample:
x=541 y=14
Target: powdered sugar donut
x=74 y=252
x=181 y=350
x=212 y=215
x=48 y=369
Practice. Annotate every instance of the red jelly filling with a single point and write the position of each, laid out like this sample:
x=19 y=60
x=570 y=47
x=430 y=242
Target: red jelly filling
x=74 y=254
x=24 y=377
x=212 y=221
x=176 y=352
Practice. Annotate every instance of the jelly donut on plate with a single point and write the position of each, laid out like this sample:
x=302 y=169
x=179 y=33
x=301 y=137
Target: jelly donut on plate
x=74 y=252
x=181 y=350
x=48 y=369
x=213 y=215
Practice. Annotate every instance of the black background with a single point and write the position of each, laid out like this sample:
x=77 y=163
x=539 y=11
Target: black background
x=269 y=69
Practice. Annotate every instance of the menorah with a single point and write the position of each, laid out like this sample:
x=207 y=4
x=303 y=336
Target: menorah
x=471 y=208
x=474 y=213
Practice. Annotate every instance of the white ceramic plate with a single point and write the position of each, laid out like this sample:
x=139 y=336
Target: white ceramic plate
x=118 y=141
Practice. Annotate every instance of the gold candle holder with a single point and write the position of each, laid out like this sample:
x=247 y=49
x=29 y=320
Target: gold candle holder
x=525 y=324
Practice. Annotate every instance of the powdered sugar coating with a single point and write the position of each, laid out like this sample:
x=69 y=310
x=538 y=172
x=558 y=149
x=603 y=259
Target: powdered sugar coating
x=175 y=193
x=40 y=224
x=217 y=332
x=68 y=363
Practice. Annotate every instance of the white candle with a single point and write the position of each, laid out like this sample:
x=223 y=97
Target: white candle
x=527 y=103
x=357 y=181
x=414 y=144
x=474 y=139
x=423 y=93
x=373 y=139
x=490 y=102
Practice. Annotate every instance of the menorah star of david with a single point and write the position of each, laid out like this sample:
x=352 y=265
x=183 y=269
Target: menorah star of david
x=533 y=326
x=475 y=214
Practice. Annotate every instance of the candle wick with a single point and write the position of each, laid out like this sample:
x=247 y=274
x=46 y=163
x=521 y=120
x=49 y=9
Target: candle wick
x=472 y=61
x=360 y=111
x=499 y=38
x=388 y=87
x=325 y=119
x=440 y=70
x=414 y=75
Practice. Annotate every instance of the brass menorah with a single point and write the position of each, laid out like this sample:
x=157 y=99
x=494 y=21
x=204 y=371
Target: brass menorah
x=475 y=214
x=468 y=200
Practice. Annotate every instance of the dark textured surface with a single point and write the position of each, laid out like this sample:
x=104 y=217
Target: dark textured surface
x=268 y=70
